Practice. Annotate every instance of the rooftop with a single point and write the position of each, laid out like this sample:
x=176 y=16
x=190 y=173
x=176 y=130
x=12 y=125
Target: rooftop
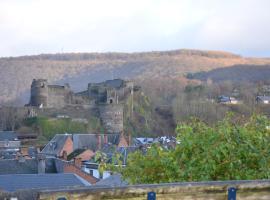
x=56 y=144
x=8 y=135
x=13 y=182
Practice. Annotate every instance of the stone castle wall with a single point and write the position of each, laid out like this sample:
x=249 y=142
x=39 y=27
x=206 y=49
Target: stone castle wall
x=59 y=96
x=107 y=97
x=53 y=96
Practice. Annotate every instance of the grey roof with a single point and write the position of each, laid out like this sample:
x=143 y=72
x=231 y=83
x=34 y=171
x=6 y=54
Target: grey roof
x=144 y=140
x=28 y=166
x=90 y=141
x=116 y=83
x=55 y=146
x=9 y=144
x=114 y=180
x=223 y=98
x=263 y=98
x=13 y=182
x=8 y=135
x=8 y=154
x=59 y=164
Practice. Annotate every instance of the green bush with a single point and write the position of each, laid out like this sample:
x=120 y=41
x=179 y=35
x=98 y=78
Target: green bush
x=226 y=151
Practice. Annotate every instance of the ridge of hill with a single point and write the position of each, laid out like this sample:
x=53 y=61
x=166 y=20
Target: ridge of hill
x=78 y=69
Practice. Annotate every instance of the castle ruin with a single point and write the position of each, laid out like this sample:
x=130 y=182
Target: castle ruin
x=107 y=97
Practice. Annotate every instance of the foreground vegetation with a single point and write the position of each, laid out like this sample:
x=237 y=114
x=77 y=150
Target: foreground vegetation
x=226 y=151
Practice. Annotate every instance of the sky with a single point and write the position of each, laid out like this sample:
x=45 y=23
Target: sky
x=29 y=27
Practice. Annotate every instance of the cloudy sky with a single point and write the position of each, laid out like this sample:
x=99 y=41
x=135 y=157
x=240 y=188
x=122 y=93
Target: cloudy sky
x=53 y=26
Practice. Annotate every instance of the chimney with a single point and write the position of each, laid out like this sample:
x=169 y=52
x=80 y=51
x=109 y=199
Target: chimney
x=105 y=139
x=78 y=162
x=64 y=155
x=41 y=163
x=99 y=141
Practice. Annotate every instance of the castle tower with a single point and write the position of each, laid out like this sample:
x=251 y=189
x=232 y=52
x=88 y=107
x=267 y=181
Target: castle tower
x=111 y=116
x=39 y=92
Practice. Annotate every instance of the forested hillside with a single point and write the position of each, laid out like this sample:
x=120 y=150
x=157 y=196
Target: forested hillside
x=80 y=68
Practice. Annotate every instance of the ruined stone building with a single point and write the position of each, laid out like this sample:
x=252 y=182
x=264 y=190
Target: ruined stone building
x=106 y=97
x=55 y=96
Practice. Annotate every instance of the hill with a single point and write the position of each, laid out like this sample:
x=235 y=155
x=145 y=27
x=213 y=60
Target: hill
x=237 y=73
x=80 y=68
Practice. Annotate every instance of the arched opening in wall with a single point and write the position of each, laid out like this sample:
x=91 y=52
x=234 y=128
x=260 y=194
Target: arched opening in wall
x=111 y=101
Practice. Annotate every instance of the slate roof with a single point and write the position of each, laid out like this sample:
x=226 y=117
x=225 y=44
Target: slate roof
x=59 y=164
x=144 y=140
x=56 y=144
x=114 y=180
x=263 y=98
x=8 y=154
x=13 y=182
x=90 y=141
x=75 y=153
x=28 y=166
x=116 y=83
x=8 y=135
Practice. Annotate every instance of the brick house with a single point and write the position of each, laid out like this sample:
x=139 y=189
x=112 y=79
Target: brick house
x=58 y=145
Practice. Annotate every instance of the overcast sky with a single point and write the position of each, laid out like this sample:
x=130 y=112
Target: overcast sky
x=53 y=26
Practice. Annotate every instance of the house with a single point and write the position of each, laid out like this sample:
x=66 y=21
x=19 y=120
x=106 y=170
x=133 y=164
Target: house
x=143 y=141
x=75 y=166
x=9 y=144
x=263 y=99
x=43 y=165
x=68 y=143
x=94 y=141
x=227 y=100
x=26 y=166
x=92 y=169
x=168 y=142
x=14 y=182
x=109 y=151
x=28 y=152
x=58 y=145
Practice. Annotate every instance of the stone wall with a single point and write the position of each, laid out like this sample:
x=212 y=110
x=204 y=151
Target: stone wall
x=55 y=96
x=248 y=190
x=245 y=190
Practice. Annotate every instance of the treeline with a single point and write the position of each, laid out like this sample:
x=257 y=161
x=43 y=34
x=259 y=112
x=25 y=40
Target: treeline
x=178 y=100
